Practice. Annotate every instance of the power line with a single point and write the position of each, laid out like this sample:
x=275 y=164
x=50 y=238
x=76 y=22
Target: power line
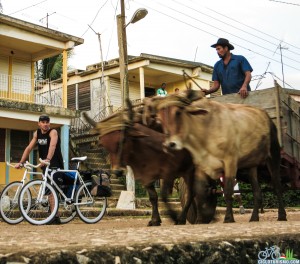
x=26 y=8
x=94 y=18
x=285 y=2
x=205 y=31
x=251 y=27
x=222 y=21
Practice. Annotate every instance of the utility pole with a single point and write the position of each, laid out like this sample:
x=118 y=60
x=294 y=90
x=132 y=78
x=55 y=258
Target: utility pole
x=1 y=8
x=281 y=48
x=47 y=18
x=123 y=56
x=102 y=86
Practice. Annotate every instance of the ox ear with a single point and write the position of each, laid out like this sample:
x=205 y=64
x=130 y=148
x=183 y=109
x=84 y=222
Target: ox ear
x=194 y=110
x=137 y=134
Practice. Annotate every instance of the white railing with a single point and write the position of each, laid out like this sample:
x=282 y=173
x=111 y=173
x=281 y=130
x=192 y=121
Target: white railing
x=30 y=90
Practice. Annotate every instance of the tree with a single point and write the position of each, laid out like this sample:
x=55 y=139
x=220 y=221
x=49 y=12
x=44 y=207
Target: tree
x=51 y=68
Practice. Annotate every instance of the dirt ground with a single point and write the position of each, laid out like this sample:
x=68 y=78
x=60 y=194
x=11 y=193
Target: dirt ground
x=78 y=234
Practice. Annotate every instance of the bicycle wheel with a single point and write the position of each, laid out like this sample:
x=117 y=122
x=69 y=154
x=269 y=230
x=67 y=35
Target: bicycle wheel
x=66 y=211
x=9 y=203
x=90 y=209
x=39 y=212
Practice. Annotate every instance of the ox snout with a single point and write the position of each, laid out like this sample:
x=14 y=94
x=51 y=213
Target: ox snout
x=171 y=145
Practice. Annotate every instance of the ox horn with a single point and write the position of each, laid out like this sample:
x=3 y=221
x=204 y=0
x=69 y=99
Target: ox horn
x=89 y=120
x=130 y=109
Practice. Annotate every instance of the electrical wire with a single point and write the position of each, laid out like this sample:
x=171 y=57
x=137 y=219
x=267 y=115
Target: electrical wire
x=207 y=32
x=88 y=28
x=26 y=8
x=222 y=21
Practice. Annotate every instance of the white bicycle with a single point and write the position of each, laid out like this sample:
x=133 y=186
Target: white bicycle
x=46 y=195
x=9 y=200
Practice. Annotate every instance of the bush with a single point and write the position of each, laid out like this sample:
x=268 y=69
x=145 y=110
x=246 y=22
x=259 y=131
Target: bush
x=291 y=197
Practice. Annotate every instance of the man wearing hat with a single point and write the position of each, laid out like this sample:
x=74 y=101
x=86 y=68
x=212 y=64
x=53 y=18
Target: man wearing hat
x=231 y=72
x=48 y=143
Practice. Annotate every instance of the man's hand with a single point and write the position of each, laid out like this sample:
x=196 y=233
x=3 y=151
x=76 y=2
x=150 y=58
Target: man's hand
x=45 y=162
x=19 y=165
x=243 y=92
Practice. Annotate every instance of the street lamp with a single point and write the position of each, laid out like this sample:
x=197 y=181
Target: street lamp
x=122 y=42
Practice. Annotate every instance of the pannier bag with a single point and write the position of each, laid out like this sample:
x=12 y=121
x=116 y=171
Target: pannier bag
x=101 y=184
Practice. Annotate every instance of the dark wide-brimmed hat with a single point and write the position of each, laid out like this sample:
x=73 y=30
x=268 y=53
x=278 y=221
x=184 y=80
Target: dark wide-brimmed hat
x=223 y=42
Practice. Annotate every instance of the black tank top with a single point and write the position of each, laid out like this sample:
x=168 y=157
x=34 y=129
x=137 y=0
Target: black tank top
x=43 y=141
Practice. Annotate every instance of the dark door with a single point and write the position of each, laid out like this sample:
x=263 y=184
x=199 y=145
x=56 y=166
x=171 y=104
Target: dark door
x=149 y=91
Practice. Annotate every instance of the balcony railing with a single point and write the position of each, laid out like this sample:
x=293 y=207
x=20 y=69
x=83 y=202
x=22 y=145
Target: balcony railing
x=30 y=90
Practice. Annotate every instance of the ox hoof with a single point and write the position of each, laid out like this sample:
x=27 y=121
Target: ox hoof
x=198 y=222
x=180 y=223
x=154 y=223
x=229 y=220
x=281 y=219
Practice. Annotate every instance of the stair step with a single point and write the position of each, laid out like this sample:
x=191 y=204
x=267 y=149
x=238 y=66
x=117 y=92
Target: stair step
x=94 y=155
x=83 y=140
x=118 y=187
x=114 y=180
x=144 y=203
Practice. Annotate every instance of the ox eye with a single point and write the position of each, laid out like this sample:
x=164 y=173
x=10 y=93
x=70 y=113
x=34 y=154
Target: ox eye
x=178 y=113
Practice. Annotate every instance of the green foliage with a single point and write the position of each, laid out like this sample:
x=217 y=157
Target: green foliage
x=291 y=197
x=140 y=191
x=51 y=68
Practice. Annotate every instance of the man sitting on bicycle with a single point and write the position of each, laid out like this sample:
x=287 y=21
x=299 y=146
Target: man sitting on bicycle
x=49 y=150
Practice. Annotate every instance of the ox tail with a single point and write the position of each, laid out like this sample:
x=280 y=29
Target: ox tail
x=274 y=168
x=275 y=148
x=89 y=120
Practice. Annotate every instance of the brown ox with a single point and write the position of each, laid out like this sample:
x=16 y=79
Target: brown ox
x=141 y=148
x=223 y=138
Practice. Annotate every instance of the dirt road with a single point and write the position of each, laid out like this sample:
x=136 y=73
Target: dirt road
x=27 y=240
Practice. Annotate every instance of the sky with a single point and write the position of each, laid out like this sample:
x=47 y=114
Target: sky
x=266 y=32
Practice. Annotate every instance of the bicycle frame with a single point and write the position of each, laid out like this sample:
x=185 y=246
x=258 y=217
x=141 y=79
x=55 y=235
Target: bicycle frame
x=78 y=177
x=27 y=166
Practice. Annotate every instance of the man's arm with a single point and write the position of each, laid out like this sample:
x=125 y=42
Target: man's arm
x=27 y=151
x=213 y=89
x=54 y=138
x=243 y=91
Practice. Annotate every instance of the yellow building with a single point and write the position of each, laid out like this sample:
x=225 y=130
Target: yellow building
x=21 y=103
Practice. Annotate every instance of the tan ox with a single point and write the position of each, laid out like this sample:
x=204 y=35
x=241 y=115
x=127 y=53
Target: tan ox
x=223 y=138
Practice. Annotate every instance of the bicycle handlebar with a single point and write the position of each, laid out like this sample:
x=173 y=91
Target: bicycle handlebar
x=44 y=162
x=26 y=165
x=31 y=165
x=11 y=165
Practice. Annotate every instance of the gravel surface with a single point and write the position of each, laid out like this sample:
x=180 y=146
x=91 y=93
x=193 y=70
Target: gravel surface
x=130 y=231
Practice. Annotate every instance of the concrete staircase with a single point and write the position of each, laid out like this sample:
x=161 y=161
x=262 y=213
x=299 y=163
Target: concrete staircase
x=97 y=158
